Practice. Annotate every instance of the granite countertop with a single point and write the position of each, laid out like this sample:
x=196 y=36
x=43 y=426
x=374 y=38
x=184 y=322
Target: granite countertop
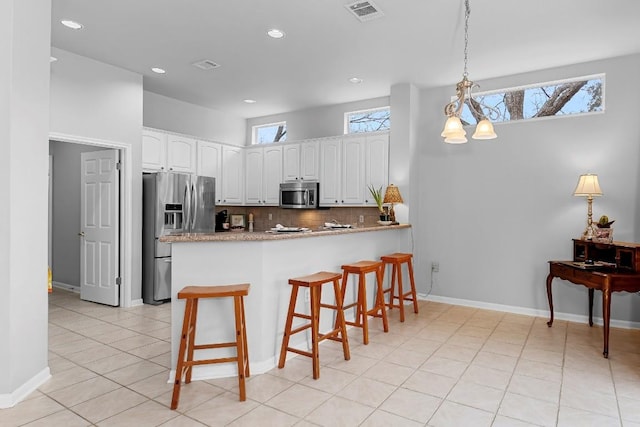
x=263 y=235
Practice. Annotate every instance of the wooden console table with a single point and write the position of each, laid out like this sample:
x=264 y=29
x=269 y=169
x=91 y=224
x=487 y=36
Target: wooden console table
x=607 y=267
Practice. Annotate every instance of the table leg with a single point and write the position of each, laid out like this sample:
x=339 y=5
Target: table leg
x=550 y=297
x=606 y=314
x=590 y=306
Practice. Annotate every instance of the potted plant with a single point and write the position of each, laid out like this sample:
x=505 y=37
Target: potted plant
x=604 y=232
x=377 y=195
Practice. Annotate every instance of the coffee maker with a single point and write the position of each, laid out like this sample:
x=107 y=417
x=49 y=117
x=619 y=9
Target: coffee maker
x=222 y=221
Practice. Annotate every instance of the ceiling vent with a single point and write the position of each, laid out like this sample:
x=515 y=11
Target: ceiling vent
x=206 y=64
x=364 y=10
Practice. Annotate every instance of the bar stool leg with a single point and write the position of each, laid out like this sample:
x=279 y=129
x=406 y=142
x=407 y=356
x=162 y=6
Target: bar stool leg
x=340 y=320
x=192 y=339
x=397 y=269
x=247 y=374
x=413 y=286
x=380 y=299
x=287 y=326
x=315 y=311
x=362 y=306
x=183 y=345
x=240 y=348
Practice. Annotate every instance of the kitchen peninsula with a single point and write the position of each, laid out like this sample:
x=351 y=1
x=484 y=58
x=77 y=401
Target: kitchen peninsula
x=267 y=261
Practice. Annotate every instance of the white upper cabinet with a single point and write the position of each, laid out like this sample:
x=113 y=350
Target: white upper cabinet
x=301 y=161
x=181 y=154
x=376 y=165
x=353 y=186
x=166 y=152
x=330 y=172
x=154 y=150
x=232 y=175
x=209 y=163
x=263 y=175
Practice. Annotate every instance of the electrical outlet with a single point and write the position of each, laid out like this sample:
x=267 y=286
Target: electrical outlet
x=435 y=267
x=270 y=216
x=361 y=219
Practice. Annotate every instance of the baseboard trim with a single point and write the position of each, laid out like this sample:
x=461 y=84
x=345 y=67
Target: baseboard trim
x=578 y=318
x=8 y=400
x=136 y=302
x=66 y=287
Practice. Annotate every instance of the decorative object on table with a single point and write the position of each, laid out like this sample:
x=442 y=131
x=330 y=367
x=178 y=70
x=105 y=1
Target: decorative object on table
x=376 y=193
x=392 y=196
x=237 y=222
x=250 y=222
x=588 y=187
x=604 y=232
x=453 y=132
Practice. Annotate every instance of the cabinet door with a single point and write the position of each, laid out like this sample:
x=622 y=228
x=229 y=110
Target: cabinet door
x=291 y=162
x=376 y=165
x=330 y=170
x=253 y=176
x=154 y=150
x=181 y=154
x=353 y=154
x=272 y=175
x=232 y=175
x=209 y=163
x=309 y=161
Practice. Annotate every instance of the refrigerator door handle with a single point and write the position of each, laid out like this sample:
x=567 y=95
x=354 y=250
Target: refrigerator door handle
x=186 y=203
x=194 y=211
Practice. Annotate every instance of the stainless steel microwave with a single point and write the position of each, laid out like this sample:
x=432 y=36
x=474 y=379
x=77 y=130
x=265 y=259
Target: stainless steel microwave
x=299 y=195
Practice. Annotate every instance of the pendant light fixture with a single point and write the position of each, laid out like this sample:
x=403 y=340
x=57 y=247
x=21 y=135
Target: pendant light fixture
x=453 y=132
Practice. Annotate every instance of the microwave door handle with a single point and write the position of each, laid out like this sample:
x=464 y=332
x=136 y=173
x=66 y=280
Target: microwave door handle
x=306 y=197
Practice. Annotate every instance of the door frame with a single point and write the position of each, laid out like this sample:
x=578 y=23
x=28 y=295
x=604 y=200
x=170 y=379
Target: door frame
x=126 y=206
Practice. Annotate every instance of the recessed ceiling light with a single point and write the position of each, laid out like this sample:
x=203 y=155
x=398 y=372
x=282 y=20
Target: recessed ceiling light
x=250 y=101
x=71 y=24
x=158 y=70
x=52 y=59
x=275 y=33
x=355 y=80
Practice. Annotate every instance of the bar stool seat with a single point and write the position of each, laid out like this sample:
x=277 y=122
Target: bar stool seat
x=187 y=339
x=396 y=290
x=362 y=268
x=339 y=333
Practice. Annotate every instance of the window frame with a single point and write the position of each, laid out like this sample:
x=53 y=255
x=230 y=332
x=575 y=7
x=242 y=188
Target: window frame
x=367 y=110
x=601 y=76
x=256 y=128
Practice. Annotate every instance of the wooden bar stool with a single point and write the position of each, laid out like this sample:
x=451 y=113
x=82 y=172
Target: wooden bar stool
x=339 y=333
x=187 y=339
x=396 y=260
x=362 y=268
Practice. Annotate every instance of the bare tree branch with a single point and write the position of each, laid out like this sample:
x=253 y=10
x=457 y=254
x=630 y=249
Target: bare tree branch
x=559 y=98
x=514 y=102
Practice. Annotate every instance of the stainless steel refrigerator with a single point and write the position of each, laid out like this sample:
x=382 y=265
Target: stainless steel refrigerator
x=173 y=203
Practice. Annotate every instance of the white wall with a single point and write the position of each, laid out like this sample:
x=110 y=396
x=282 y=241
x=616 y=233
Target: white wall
x=493 y=212
x=66 y=223
x=165 y=113
x=96 y=101
x=316 y=122
x=24 y=85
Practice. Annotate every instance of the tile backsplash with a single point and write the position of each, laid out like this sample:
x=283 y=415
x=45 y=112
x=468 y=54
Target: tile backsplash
x=310 y=218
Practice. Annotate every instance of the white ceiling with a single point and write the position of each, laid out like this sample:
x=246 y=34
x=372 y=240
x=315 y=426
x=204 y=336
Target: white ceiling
x=417 y=41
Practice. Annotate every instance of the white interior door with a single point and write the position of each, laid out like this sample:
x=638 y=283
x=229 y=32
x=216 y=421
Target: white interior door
x=99 y=246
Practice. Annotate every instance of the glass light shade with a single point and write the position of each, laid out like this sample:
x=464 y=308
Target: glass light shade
x=484 y=130
x=453 y=126
x=392 y=195
x=456 y=138
x=588 y=186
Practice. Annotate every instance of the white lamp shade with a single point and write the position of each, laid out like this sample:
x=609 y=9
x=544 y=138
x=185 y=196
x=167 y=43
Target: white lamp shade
x=456 y=139
x=484 y=130
x=453 y=126
x=588 y=186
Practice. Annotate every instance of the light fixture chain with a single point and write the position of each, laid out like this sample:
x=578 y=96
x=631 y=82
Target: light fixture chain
x=467 y=12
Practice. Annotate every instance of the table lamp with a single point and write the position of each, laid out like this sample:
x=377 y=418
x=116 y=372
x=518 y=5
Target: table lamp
x=392 y=195
x=588 y=186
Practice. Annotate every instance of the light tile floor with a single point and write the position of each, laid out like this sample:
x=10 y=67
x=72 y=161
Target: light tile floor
x=446 y=366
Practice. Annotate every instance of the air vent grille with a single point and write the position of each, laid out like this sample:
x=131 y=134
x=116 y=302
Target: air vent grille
x=206 y=64
x=364 y=10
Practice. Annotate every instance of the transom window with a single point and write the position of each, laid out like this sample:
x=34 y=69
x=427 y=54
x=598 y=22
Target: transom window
x=269 y=133
x=581 y=95
x=373 y=120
